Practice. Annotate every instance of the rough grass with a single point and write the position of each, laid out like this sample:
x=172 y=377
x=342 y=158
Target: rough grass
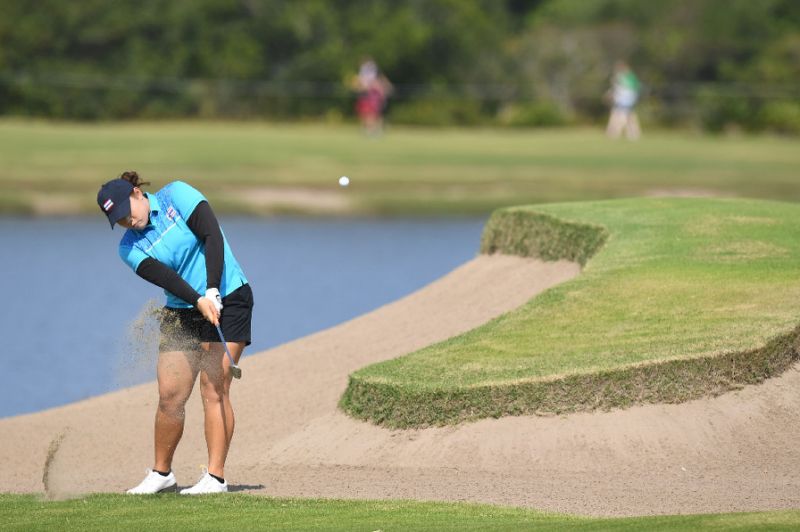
x=686 y=298
x=245 y=512
x=57 y=167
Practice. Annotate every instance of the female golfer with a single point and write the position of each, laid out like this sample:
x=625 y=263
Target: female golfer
x=174 y=241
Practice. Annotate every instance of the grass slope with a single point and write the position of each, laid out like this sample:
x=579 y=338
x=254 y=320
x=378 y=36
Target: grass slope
x=56 y=168
x=244 y=512
x=686 y=297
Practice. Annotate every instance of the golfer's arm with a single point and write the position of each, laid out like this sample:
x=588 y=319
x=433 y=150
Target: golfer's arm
x=162 y=275
x=205 y=227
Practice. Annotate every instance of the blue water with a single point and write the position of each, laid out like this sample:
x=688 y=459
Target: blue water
x=69 y=302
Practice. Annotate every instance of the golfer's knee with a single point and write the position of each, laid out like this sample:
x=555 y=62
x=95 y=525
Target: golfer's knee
x=172 y=403
x=213 y=392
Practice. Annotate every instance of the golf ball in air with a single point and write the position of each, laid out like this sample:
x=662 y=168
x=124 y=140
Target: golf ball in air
x=344 y=181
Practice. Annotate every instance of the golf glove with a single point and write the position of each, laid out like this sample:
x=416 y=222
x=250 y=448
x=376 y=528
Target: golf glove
x=213 y=295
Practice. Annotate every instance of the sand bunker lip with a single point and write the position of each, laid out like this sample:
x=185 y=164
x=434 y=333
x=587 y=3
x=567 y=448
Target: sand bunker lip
x=733 y=453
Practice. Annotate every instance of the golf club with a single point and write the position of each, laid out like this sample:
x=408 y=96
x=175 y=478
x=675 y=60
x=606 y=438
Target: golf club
x=236 y=371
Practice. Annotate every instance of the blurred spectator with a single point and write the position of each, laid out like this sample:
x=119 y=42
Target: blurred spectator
x=624 y=93
x=373 y=90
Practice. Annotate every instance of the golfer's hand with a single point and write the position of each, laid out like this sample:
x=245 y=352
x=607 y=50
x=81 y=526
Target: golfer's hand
x=208 y=310
x=213 y=295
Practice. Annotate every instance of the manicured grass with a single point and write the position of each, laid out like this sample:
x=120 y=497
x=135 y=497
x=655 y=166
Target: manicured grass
x=247 y=512
x=685 y=298
x=50 y=168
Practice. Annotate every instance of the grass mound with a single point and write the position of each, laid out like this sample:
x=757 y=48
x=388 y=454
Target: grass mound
x=679 y=298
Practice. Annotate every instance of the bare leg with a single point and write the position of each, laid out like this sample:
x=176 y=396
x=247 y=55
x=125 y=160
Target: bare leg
x=632 y=127
x=215 y=384
x=369 y=124
x=616 y=121
x=176 y=376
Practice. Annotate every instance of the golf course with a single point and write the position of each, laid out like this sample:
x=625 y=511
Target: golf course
x=620 y=354
x=379 y=265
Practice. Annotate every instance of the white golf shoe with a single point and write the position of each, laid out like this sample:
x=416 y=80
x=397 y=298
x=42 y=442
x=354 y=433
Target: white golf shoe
x=155 y=483
x=206 y=484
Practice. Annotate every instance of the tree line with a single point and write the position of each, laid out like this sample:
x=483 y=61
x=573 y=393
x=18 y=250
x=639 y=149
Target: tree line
x=714 y=64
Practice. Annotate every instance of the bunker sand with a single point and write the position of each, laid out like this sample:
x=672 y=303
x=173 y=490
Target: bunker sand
x=737 y=452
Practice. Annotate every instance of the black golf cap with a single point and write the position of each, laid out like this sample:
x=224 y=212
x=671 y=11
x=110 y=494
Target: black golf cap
x=114 y=200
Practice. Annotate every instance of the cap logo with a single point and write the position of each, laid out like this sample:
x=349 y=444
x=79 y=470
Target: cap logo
x=107 y=205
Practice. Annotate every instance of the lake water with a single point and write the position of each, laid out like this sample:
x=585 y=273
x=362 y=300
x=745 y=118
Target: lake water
x=70 y=305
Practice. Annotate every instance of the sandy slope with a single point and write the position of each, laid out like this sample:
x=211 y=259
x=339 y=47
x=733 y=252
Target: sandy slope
x=735 y=452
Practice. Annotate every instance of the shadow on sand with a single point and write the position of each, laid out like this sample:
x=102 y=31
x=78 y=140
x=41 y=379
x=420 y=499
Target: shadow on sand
x=245 y=487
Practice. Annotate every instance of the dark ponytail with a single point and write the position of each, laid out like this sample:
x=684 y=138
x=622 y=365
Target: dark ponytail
x=133 y=178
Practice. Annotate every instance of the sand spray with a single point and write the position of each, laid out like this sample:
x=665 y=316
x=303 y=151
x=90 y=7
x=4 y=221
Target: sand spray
x=53 y=480
x=137 y=354
x=138 y=349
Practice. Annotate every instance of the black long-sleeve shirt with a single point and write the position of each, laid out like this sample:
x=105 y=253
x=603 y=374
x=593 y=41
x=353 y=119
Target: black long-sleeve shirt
x=203 y=223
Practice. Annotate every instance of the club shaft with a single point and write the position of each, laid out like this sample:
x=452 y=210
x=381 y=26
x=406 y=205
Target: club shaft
x=225 y=345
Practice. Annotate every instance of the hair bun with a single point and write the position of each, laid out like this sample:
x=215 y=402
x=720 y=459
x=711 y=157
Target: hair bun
x=133 y=178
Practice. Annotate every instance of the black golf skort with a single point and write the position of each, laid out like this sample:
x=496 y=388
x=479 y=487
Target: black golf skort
x=182 y=329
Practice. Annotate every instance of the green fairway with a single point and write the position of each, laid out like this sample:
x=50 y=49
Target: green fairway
x=686 y=297
x=246 y=512
x=56 y=168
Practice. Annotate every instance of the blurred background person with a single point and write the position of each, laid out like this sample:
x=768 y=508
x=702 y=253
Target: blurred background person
x=373 y=89
x=623 y=94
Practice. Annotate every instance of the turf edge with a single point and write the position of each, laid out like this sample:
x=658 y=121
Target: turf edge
x=513 y=231
x=673 y=381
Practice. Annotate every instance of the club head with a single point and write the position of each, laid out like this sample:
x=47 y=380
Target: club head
x=236 y=371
